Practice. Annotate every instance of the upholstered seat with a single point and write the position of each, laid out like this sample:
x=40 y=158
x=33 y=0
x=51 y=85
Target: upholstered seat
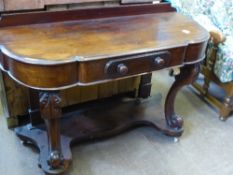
x=217 y=17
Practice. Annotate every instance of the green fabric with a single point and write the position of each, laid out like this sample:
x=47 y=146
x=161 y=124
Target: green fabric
x=214 y=15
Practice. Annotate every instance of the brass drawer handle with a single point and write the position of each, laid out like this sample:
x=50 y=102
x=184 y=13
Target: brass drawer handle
x=159 y=61
x=122 y=69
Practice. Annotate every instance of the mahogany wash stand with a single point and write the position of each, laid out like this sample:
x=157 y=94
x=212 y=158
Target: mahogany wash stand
x=51 y=51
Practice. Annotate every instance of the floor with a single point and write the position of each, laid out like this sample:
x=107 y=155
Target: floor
x=204 y=149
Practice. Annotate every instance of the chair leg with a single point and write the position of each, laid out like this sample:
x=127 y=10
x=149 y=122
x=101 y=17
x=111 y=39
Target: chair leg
x=206 y=84
x=227 y=107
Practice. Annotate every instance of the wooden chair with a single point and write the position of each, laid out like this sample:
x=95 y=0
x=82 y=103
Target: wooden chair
x=206 y=86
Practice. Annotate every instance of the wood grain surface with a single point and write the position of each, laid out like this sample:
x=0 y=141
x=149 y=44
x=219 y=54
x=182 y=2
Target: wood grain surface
x=85 y=40
x=15 y=97
x=77 y=45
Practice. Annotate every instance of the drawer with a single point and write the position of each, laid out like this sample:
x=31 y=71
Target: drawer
x=99 y=70
x=137 y=64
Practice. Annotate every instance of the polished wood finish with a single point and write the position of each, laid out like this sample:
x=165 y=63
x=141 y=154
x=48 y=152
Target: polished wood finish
x=25 y=18
x=14 y=98
x=129 y=65
x=98 y=35
x=50 y=108
x=76 y=48
x=91 y=46
x=187 y=76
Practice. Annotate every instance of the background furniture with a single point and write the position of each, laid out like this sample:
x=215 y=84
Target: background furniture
x=19 y=101
x=217 y=69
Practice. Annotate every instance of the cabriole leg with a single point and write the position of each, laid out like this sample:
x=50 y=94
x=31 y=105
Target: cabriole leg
x=187 y=75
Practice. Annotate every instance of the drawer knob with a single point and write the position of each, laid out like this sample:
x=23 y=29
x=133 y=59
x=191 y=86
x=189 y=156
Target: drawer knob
x=122 y=69
x=159 y=61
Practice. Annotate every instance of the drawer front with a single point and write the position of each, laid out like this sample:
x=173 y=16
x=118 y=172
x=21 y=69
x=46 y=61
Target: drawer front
x=137 y=64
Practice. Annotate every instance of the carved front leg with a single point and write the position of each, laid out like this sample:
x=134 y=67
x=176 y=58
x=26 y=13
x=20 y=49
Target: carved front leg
x=188 y=75
x=50 y=108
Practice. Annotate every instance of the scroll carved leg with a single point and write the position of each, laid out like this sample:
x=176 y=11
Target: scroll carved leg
x=187 y=75
x=51 y=112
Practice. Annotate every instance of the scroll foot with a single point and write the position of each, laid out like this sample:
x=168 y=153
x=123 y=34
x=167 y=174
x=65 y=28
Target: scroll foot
x=187 y=75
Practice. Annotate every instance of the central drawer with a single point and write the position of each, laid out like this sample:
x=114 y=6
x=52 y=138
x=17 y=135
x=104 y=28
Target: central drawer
x=135 y=64
x=99 y=70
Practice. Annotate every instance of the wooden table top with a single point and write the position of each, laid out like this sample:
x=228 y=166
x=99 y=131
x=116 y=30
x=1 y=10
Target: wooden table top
x=89 y=39
x=62 y=49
